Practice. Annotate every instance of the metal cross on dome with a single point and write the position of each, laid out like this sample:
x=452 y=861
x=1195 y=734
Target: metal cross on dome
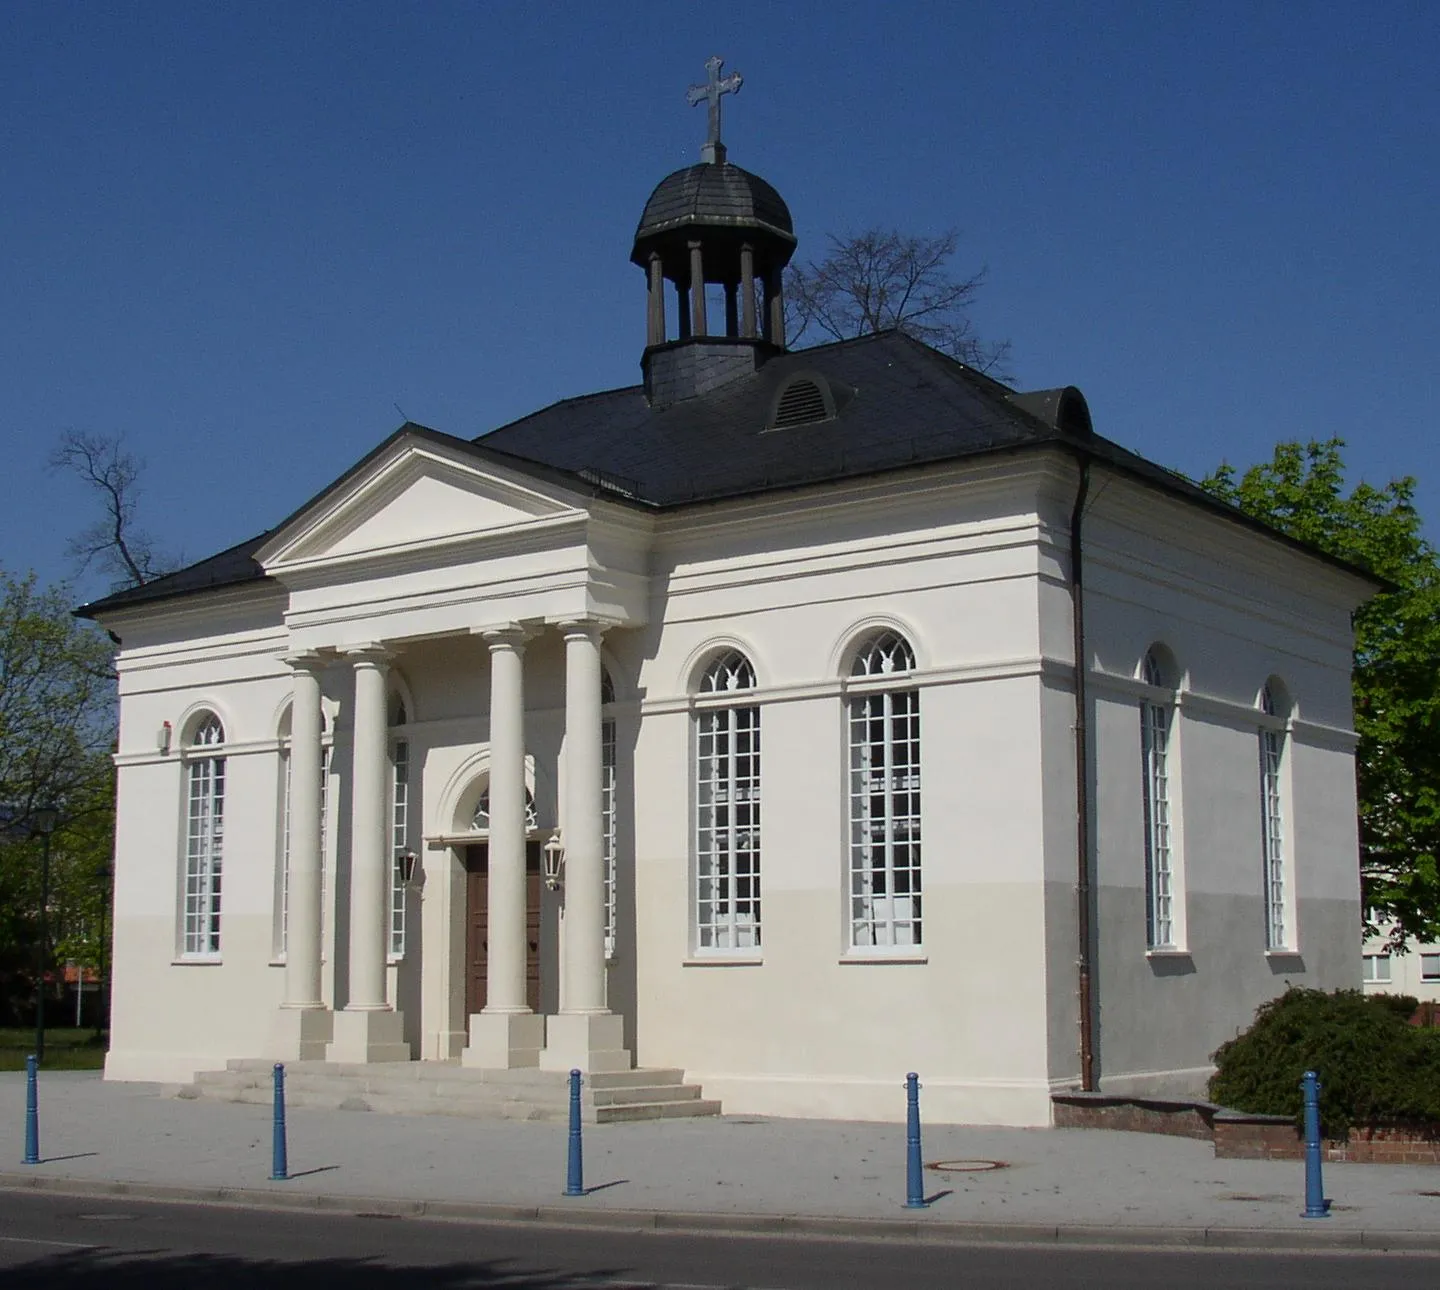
x=715 y=85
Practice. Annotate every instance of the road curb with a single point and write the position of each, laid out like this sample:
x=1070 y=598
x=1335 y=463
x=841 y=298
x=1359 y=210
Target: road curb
x=1314 y=1239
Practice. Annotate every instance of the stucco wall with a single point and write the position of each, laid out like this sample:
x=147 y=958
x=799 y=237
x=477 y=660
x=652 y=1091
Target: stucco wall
x=970 y=564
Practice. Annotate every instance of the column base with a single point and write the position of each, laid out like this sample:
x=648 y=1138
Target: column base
x=587 y=1041
x=504 y=1040
x=373 y=1035
x=300 y=1034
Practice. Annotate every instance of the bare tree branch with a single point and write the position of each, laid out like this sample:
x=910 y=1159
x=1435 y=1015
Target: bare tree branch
x=128 y=554
x=880 y=279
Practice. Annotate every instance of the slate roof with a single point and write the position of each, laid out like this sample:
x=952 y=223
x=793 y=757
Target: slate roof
x=899 y=404
x=710 y=195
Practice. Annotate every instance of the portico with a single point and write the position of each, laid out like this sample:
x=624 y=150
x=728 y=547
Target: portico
x=355 y=612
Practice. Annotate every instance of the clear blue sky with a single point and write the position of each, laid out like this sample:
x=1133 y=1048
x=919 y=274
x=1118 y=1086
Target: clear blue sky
x=243 y=233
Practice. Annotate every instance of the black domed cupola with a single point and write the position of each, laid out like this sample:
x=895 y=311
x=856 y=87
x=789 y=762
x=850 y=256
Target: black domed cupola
x=712 y=223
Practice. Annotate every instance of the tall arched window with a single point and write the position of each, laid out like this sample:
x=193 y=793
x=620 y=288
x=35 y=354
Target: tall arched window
x=607 y=806
x=884 y=728
x=1155 y=716
x=283 y=939
x=727 y=808
x=399 y=823
x=204 y=838
x=1278 y=925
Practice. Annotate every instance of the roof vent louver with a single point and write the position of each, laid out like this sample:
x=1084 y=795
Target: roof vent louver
x=803 y=401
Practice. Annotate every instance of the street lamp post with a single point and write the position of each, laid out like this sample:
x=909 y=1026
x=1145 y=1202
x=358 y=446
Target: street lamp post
x=42 y=821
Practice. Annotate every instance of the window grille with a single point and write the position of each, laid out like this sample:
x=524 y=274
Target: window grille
x=480 y=820
x=204 y=841
x=884 y=727
x=399 y=840
x=1155 y=763
x=1272 y=829
x=727 y=820
x=731 y=671
x=607 y=828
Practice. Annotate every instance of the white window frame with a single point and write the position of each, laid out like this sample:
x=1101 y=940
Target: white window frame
x=884 y=800
x=1430 y=967
x=607 y=826
x=200 y=912
x=400 y=795
x=1157 y=720
x=726 y=892
x=1276 y=886
x=1375 y=969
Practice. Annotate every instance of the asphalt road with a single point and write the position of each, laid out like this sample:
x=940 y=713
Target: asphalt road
x=75 y=1243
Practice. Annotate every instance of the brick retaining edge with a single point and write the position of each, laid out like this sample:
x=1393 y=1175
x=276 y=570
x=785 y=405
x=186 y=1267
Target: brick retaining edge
x=1237 y=1135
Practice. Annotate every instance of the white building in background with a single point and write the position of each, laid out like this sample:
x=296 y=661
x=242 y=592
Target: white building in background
x=886 y=719
x=1416 y=972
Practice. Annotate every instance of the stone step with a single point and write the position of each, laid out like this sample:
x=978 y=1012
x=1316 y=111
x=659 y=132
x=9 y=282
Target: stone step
x=655 y=1111
x=446 y=1088
x=644 y=1093
x=652 y=1076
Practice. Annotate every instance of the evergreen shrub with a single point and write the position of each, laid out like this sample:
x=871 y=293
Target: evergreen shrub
x=1374 y=1067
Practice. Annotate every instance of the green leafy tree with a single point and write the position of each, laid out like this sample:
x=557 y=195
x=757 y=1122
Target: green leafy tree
x=1302 y=492
x=57 y=697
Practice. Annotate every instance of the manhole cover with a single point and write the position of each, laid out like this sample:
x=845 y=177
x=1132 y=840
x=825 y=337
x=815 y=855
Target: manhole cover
x=965 y=1166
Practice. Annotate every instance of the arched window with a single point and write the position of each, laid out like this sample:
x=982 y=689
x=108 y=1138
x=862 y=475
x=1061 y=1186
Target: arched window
x=607 y=806
x=730 y=671
x=283 y=936
x=884 y=728
x=480 y=821
x=1155 y=719
x=400 y=844
x=727 y=810
x=204 y=838
x=1278 y=928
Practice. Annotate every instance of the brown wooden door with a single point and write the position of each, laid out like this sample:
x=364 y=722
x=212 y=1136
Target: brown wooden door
x=477 y=930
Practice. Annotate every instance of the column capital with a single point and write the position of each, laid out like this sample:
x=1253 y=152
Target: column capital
x=304 y=660
x=371 y=652
x=591 y=626
x=506 y=635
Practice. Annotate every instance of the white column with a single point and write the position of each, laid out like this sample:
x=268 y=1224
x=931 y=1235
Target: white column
x=505 y=980
x=368 y=1029
x=302 y=924
x=304 y=1026
x=584 y=855
x=369 y=854
x=506 y=1033
x=585 y=1034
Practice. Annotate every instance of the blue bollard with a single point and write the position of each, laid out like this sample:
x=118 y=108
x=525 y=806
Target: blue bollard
x=32 y=1113
x=575 y=1170
x=914 y=1176
x=279 y=1162
x=1316 y=1206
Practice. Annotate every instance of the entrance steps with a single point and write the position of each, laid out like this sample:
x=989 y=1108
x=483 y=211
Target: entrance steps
x=447 y=1088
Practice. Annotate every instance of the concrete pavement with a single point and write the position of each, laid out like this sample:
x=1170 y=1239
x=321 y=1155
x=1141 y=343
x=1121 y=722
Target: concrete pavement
x=732 y=1173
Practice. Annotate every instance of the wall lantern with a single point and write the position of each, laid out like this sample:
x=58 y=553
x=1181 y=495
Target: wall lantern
x=554 y=855
x=409 y=868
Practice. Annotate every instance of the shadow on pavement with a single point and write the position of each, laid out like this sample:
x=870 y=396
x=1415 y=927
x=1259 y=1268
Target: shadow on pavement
x=154 y=1271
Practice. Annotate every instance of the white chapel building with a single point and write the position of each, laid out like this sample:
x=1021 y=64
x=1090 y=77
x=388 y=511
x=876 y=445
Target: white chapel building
x=795 y=719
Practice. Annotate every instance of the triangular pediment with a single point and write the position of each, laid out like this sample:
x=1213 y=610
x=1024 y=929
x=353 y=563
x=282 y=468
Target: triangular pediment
x=418 y=494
